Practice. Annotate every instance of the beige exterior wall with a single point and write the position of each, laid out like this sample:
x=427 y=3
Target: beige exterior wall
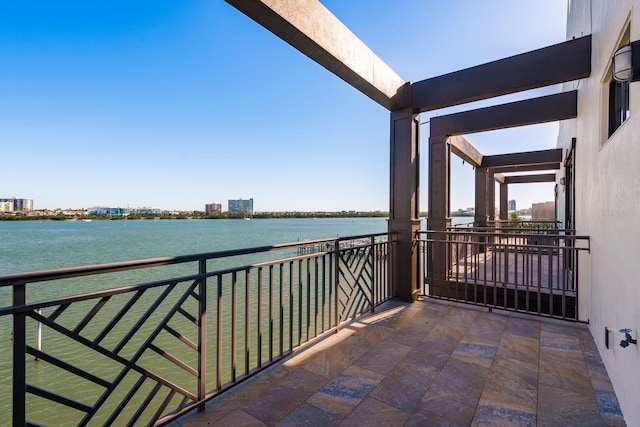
x=607 y=176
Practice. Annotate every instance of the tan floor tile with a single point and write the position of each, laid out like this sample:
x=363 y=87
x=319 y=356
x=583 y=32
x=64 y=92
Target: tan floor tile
x=238 y=418
x=307 y=415
x=567 y=373
x=557 y=406
x=383 y=357
x=275 y=403
x=519 y=347
x=441 y=411
x=373 y=413
x=459 y=381
x=404 y=386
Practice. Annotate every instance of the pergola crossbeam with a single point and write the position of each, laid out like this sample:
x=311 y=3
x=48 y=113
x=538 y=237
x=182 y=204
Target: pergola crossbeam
x=526 y=168
x=532 y=111
x=526 y=158
x=563 y=62
x=312 y=29
x=463 y=149
x=529 y=179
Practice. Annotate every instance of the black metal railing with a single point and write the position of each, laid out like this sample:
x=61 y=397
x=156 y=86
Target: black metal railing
x=526 y=269
x=151 y=351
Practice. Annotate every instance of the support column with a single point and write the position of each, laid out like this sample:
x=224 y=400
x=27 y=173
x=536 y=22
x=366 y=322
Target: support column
x=439 y=209
x=491 y=197
x=482 y=197
x=404 y=212
x=504 y=201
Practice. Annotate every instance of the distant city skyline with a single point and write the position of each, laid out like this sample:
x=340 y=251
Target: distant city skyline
x=175 y=104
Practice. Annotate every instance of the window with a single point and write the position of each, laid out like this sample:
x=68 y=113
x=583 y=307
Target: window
x=618 y=104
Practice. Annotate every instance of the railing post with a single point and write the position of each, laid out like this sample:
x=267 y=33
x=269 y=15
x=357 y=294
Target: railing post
x=19 y=353
x=373 y=274
x=336 y=255
x=202 y=331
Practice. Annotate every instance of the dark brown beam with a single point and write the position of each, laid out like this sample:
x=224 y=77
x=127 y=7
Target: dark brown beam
x=528 y=179
x=559 y=63
x=312 y=29
x=523 y=159
x=526 y=168
x=549 y=108
x=463 y=149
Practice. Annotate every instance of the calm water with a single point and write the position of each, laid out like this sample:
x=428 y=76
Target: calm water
x=29 y=245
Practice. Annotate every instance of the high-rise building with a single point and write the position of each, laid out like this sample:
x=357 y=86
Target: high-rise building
x=512 y=205
x=6 y=206
x=211 y=208
x=18 y=204
x=240 y=206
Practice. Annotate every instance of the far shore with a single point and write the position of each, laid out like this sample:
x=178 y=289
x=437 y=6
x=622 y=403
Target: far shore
x=34 y=216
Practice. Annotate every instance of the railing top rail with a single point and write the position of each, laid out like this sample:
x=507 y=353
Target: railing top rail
x=558 y=232
x=64 y=273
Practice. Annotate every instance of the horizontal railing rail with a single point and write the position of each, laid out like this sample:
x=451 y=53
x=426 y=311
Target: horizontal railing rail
x=507 y=223
x=150 y=351
x=533 y=270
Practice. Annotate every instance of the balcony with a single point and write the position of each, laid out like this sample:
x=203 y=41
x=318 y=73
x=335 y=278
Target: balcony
x=431 y=363
x=277 y=335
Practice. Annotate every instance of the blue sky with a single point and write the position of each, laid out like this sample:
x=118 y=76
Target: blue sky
x=174 y=104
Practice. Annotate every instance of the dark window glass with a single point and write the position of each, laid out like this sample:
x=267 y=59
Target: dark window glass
x=618 y=105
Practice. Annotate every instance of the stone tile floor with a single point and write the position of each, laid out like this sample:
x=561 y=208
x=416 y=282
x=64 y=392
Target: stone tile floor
x=431 y=363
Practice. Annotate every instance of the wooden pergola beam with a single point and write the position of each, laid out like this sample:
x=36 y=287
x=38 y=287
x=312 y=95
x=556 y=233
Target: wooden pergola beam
x=463 y=149
x=532 y=111
x=528 y=179
x=312 y=29
x=526 y=168
x=542 y=157
x=563 y=62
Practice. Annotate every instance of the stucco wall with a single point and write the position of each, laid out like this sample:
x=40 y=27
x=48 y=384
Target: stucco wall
x=608 y=196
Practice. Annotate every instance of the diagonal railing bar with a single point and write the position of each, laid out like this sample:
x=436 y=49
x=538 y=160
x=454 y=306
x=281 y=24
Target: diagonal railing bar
x=118 y=316
x=141 y=321
x=54 y=397
x=163 y=406
x=191 y=318
x=125 y=401
x=356 y=277
x=348 y=304
x=164 y=420
x=174 y=360
x=40 y=355
x=144 y=405
x=181 y=337
x=91 y=314
x=58 y=311
x=145 y=345
x=356 y=304
x=108 y=353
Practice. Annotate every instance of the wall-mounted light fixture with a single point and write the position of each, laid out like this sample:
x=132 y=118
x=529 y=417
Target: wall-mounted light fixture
x=626 y=63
